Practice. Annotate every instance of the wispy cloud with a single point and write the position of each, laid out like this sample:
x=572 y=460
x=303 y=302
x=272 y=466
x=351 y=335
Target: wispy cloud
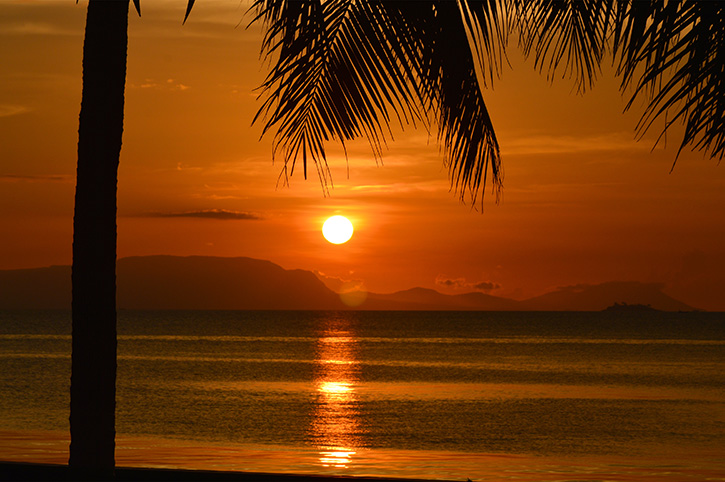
x=222 y=214
x=34 y=28
x=9 y=110
x=36 y=178
x=435 y=185
x=168 y=84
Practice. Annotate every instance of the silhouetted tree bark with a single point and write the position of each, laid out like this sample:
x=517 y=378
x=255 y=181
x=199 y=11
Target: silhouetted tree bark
x=93 y=377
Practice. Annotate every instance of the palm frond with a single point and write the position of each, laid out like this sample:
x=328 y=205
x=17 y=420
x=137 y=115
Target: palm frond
x=672 y=53
x=465 y=127
x=488 y=25
x=569 y=35
x=189 y=6
x=329 y=81
x=347 y=69
x=676 y=52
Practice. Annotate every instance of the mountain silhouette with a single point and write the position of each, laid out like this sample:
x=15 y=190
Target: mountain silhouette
x=42 y=288
x=600 y=296
x=216 y=283
x=174 y=282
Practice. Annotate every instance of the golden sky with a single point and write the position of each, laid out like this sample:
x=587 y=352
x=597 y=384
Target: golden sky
x=583 y=202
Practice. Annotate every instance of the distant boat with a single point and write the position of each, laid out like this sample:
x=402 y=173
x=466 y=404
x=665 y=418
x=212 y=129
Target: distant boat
x=628 y=307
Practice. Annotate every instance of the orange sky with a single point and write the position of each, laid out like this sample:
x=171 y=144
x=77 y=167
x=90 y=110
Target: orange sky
x=583 y=201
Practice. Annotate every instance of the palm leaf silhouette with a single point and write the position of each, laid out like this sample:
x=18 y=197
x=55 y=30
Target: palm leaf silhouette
x=565 y=34
x=346 y=69
x=672 y=54
x=679 y=48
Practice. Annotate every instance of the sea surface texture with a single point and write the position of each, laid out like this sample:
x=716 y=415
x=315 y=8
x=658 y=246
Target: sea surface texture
x=441 y=395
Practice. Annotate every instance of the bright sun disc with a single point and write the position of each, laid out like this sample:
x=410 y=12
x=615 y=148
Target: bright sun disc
x=337 y=229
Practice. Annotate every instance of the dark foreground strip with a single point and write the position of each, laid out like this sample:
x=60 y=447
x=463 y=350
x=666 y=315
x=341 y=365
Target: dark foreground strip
x=16 y=471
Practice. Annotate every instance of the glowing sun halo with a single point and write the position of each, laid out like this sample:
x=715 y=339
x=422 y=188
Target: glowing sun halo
x=337 y=229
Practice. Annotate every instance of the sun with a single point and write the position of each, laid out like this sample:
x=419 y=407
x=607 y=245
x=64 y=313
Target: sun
x=337 y=229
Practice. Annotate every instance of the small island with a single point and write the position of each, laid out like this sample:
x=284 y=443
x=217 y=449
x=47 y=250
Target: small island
x=627 y=307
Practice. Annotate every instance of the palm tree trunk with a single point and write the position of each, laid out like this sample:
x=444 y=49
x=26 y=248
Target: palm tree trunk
x=93 y=372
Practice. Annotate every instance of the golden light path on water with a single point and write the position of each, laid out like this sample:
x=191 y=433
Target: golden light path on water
x=335 y=424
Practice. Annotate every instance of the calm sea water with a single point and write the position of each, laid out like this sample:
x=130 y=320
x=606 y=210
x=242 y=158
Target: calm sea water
x=417 y=394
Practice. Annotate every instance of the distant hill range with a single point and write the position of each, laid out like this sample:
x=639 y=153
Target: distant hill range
x=206 y=283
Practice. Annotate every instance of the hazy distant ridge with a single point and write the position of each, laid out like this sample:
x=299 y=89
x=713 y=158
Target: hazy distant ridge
x=600 y=296
x=213 y=283
x=206 y=283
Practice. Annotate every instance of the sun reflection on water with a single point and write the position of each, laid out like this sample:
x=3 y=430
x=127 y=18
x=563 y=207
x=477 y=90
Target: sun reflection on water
x=335 y=387
x=336 y=428
x=336 y=459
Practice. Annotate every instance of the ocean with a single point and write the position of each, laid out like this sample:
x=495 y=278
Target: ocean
x=635 y=396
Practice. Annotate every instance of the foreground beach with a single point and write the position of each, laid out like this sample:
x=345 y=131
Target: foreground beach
x=35 y=456
x=13 y=471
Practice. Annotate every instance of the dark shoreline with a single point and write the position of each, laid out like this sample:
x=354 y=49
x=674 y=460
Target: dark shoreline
x=21 y=471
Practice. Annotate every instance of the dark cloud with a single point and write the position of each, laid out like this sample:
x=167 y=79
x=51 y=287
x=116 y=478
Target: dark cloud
x=451 y=283
x=486 y=286
x=210 y=214
x=462 y=283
